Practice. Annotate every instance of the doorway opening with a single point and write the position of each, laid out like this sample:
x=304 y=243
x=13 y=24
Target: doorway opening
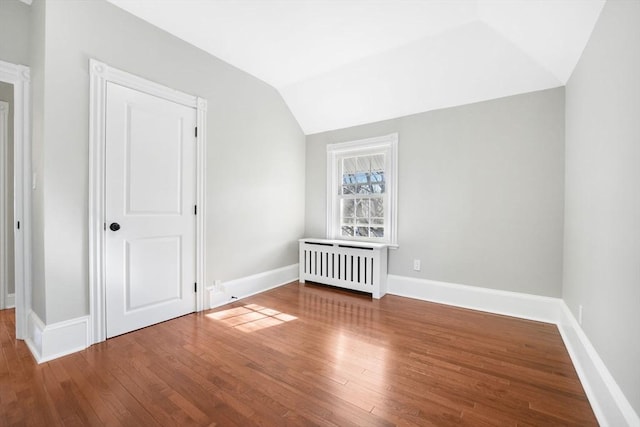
x=7 y=281
x=16 y=202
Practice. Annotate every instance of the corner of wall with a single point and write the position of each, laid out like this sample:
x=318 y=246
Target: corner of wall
x=244 y=287
x=48 y=342
x=609 y=404
x=607 y=400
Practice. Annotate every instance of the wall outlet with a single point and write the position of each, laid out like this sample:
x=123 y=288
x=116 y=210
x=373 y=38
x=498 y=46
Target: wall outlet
x=217 y=286
x=416 y=265
x=580 y=314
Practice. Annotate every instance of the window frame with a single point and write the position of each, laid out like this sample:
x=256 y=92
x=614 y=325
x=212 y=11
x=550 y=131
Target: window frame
x=387 y=145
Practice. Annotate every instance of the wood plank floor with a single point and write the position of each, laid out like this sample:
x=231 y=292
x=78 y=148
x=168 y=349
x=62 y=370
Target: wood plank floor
x=304 y=355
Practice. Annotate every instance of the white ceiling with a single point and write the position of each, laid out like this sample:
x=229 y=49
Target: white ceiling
x=340 y=63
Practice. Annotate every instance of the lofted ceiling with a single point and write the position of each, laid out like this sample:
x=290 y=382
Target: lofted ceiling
x=340 y=63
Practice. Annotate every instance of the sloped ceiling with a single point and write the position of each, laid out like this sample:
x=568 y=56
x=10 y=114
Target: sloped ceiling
x=340 y=63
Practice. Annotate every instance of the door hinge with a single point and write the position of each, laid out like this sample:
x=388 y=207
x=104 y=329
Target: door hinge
x=196 y=131
x=195 y=287
x=195 y=209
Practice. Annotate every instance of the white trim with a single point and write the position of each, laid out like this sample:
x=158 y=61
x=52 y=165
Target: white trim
x=19 y=76
x=4 y=231
x=10 y=301
x=609 y=404
x=48 y=342
x=100 y=74
x=607 y=399
x=105 y=73
x=244 y=287
x=388 y=143
x=525 y=306
x=201 y=201
x=35 y=329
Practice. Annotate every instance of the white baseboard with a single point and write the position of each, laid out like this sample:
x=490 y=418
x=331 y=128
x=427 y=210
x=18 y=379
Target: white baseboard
x=48 y=342
x=236 y=289
x=524 y=306
x=609 y=404
x=10 y=302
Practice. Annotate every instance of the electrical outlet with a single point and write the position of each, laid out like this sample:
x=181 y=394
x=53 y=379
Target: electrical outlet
x=580 y=314
x=416 y=265
x=217 y=285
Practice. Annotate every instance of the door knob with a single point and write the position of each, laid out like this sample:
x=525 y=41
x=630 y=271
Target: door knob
x=114 y=226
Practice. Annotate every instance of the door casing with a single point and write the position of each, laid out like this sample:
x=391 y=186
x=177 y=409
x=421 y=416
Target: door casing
x=20 y=77
x=100 y=74
x=4 y=258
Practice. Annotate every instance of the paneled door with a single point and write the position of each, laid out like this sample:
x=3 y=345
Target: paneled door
x=150 y=176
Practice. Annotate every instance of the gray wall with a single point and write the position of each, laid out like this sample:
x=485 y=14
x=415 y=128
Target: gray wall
x=36 y=64
x=6 y=95
x=480 y=192
x=481 y=200
x=255 y=150
x=602 y=211
x=14 y=48
x=14 y=32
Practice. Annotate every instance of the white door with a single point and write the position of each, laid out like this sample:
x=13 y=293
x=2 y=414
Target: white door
x=150 y=225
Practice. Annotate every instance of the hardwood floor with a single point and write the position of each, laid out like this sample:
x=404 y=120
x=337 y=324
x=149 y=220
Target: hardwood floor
x=304 y=355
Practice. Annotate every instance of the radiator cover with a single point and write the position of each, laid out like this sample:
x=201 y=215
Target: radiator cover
x=359 y=266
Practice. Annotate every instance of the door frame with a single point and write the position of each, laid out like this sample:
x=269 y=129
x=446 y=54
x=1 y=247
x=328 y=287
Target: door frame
x=4 y=258
x=100 y=75
x=20 y=77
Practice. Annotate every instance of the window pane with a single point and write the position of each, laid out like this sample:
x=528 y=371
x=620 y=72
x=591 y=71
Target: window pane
x=377 y=163
x=348 y=221
x=347 y=231
x=349 y=165
x=377 y=232
x=348 y=189
x=362 y=208
x=362 y=177
x=365 y=189
x=362 y=231
x=364 y=164
x=377 y=176
x=377 y=207
x=347 y=208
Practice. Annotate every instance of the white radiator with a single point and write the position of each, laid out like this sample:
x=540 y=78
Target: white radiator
x=358 y=266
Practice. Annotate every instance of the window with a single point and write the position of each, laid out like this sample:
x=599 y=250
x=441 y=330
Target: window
x=361 y=189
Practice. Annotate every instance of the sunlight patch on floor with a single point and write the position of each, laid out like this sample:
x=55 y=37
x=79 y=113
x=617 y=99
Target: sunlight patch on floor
x=251 y=317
